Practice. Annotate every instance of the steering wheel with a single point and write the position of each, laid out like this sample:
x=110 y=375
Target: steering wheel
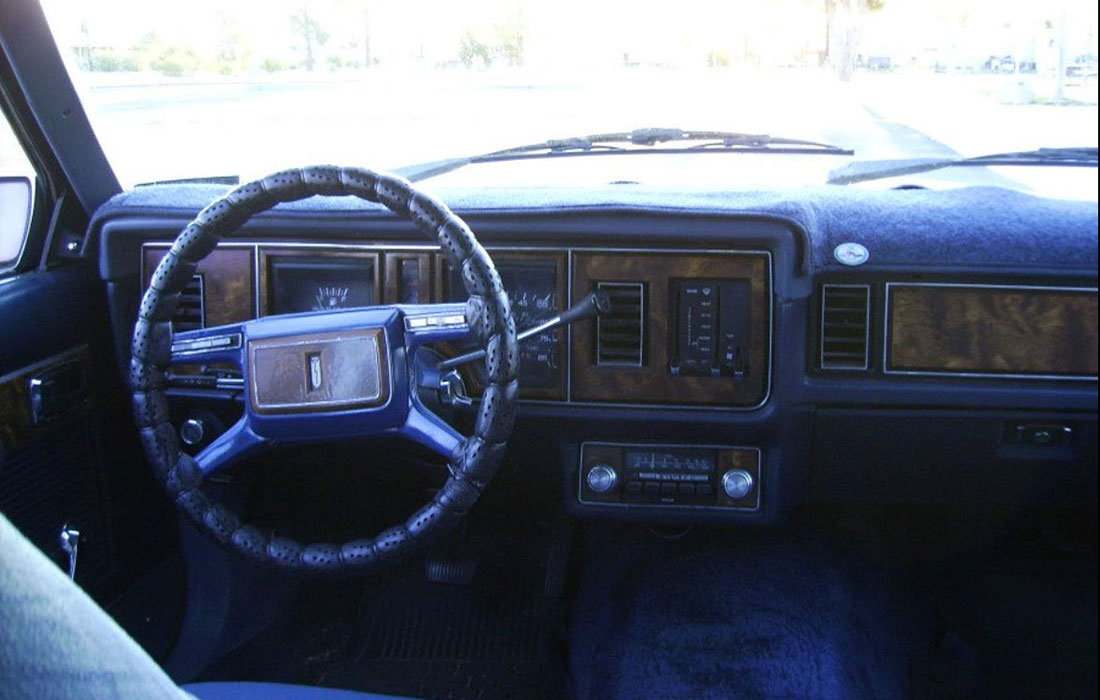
x=327 y=375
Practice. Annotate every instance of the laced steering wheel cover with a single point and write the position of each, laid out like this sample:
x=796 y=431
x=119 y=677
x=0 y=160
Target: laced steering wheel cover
x=488 y=315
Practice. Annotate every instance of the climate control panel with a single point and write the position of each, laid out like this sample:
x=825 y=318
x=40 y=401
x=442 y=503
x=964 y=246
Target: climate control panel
x=695 y=476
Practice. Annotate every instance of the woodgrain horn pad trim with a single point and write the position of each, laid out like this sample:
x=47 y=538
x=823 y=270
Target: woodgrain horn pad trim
x=342 y=370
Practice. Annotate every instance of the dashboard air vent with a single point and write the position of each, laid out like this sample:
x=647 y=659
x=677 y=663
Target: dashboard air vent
x=190 y=313
x=620 y=333
x=845 y=326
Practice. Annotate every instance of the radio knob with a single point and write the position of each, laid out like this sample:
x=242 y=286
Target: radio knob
x=737 y=483
x=601 y=478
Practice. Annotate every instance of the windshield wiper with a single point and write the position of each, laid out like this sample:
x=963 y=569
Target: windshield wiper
x=650 y=140
x=863 y=171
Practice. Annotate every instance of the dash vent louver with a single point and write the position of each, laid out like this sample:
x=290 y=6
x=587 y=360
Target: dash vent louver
x=620 y=333
x=191 y=311
x=845 y=326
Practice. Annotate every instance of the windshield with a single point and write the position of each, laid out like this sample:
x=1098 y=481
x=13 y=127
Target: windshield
x=211 y=88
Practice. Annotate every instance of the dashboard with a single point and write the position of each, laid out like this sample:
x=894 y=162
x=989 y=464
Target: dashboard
x=746 y=365
x=686 y=328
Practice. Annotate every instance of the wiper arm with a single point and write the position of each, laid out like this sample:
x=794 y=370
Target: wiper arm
x=631 y=142
x=654 y=136
x=1076 y=156
x=880 y=169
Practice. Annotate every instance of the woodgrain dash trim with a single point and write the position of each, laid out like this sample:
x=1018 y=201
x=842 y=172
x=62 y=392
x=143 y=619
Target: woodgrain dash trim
x=1002 y=331
x=652 y=384
x=391 y=290
x=227 y=275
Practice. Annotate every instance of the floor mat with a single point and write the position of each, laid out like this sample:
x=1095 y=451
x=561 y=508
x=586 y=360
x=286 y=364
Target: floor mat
x=434 y=640
x=498 y=636
x=712 y=617
x=399 y=633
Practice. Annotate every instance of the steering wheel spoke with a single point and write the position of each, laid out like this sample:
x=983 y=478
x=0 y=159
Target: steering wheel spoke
x=426 y=428
x=234 y=444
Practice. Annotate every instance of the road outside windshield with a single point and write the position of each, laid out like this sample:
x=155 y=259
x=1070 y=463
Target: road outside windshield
x=213 y=88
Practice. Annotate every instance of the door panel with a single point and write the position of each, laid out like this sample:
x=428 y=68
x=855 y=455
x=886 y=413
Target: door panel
x=68 y=455
x=51 y=459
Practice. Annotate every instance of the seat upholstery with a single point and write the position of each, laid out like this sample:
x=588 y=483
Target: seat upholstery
x=57 y=644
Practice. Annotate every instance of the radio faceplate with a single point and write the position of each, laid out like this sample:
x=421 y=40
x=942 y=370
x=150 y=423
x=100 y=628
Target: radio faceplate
x=660 y=475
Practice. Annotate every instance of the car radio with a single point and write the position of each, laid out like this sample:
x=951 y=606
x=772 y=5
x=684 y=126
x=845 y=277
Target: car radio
x=695 y=476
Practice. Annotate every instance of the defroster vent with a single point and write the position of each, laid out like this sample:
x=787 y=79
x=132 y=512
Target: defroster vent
x=845 y=326
x=620 y=333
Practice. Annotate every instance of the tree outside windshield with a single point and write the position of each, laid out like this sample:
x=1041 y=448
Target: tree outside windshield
x=209 y=88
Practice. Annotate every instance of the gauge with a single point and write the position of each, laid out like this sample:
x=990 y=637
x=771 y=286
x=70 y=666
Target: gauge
x=300 y=284
x=330 y=297
x=532 y=287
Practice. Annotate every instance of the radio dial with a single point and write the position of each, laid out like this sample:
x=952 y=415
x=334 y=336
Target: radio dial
x=601 y=478
x=737 y=483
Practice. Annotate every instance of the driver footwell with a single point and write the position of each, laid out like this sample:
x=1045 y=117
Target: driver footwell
x=499 y=635
x=431 y=640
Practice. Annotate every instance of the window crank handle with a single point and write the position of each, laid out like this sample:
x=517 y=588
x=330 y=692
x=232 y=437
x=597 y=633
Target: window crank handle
x=70 y=544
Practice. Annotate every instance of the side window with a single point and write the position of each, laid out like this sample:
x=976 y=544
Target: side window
x=16 y=197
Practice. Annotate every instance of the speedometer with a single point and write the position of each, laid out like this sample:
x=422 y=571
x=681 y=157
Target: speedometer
x=532 y=287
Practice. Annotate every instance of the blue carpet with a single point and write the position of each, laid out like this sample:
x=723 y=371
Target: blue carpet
x=770 y=615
